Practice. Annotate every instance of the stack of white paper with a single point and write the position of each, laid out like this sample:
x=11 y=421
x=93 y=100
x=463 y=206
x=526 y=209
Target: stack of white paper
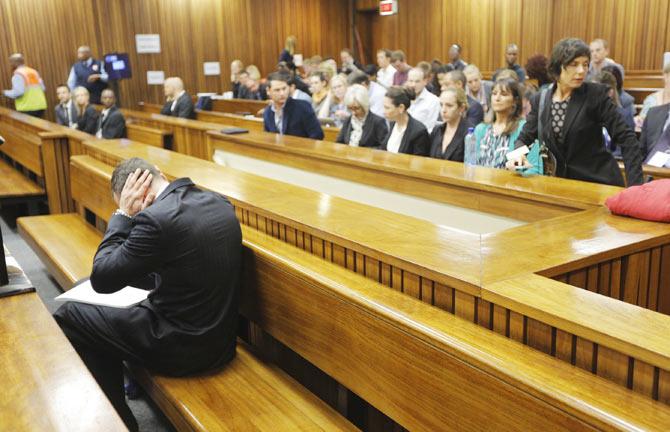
x=84 y=293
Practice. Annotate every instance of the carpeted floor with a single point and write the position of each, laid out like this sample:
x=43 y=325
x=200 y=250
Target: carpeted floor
x=148 y=416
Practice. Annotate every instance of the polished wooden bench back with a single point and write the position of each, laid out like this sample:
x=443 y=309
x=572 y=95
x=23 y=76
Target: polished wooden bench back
x=443 y=370
x=148 y=135
x=22 y=147
x=238 y=106
x=230 y=119
x=547 y=324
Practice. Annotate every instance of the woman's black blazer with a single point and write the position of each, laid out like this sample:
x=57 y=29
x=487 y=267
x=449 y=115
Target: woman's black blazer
x=415 y=140
x=583 y=155
x=374 y=131
x=455 y=149
x=88 y=122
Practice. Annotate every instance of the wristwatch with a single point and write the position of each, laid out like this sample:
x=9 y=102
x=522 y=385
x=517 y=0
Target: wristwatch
x=122 y=213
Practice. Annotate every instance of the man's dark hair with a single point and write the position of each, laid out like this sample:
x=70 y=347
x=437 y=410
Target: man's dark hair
x=456 y=75
x=279 y=76
x=358 y=77
x=614 y=70
x=564 y=52
x=127 y=167
x=398 y=55
x=445 y=68
x=387 y=52
x=63 y=85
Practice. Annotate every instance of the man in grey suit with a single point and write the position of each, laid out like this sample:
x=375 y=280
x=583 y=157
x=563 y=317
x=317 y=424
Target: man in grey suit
x=184 y=245
x=656 y=132
x=66 y=112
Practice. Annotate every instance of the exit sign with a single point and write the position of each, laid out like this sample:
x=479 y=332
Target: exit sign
x=388 y=7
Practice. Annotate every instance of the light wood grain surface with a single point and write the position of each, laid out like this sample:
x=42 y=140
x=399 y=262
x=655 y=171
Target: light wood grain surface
x=46 y=385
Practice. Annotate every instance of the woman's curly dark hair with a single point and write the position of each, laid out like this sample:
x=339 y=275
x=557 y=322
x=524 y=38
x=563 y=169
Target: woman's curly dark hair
x=536 y=68
x=564 y=52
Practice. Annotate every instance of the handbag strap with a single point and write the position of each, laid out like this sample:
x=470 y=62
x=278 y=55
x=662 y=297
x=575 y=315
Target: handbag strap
x=543 y=98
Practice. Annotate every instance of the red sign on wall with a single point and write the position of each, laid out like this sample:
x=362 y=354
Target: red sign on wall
x=388 y=7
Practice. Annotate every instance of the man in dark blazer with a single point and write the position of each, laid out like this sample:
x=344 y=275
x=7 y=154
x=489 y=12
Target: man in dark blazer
x=289 y=116
x=184 y=245
x=66 y=112
x=179 y=103
x=655 y=132
x=111 y=124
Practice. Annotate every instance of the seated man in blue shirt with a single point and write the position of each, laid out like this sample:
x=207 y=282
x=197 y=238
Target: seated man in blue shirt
x=288 y=116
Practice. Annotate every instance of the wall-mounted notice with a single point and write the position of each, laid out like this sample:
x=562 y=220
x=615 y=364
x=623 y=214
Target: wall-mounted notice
x=212 y=68
x=148 y=43
x=155 y=77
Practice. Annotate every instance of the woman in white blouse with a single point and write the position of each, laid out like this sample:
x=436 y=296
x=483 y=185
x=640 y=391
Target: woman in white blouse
x=363 y=128
x=407 y=135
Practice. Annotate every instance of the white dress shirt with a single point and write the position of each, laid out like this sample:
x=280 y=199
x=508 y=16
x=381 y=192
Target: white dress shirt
x=376 y=94
x=393 y=144
x=385 y=76
x=426 y=109
x=103 y=115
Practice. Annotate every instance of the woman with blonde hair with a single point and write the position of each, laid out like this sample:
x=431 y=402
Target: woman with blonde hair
x=289 y=51
x=87 y=115
x=448 y=139
x=334 y=107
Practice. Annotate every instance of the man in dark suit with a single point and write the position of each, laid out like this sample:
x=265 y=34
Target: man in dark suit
x=179 y=103
x=457 y=79
x=66 y=112
x=183 y=244
x=655 y=132
x=111 y=124
x=289 y=116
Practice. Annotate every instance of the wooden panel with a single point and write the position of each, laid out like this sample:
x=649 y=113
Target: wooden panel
x=218 y=30
x=46 y=381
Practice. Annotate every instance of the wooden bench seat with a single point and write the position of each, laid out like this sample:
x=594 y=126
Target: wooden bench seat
x=151 y=136
x=247 y=394
x=65 y=243
x=443 y=371
x=14 y=185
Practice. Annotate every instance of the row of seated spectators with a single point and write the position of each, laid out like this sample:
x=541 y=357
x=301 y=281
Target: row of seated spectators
x=577 y=119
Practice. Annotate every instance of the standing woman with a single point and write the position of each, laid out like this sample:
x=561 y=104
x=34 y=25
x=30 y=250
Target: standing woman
x=448 y=139
x=572 y=118
x=502 y=126
x=289 y=50
x=407 y=135
x=86 y=114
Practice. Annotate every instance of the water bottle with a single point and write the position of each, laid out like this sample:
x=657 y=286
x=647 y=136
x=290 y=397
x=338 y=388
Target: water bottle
x=470 y=156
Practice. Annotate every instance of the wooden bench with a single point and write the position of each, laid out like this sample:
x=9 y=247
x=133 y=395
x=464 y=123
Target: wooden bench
x=231 y=119
x=444 y=371
x=22 y=176
x=248 y=394
x=148 y=135
x=45 y=384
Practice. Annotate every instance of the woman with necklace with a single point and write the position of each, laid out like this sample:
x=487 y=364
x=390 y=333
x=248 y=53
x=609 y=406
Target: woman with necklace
x=572 y=115
x=496 y=136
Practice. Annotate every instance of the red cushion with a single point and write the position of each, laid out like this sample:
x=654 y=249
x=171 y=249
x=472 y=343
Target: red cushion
x=650 y=201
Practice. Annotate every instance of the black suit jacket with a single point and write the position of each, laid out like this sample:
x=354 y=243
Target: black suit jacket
x=415 y=140
x=113 y=125
x=186 y=247
x=183 y=108
x=61 y=114
x=652 y=128
x=455 y=149
x=88 y=121
x=475 y=113
x=374 y=131
x=583 y=155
